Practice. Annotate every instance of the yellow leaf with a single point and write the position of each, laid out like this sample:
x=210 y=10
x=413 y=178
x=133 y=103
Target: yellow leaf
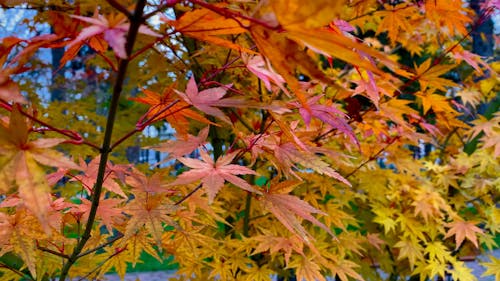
x=462 y=272
x=492 y=268
x=437 y=251
x=150 y=211
x=487 y=85
x=33 y=187
x=258 y=273
x=384 y=216
x=411 y=250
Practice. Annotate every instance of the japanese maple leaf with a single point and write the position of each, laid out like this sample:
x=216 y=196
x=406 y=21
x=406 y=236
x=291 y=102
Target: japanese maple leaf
x=286 y=208
x=179 y=148
x=206 y=25
x=214 y=174
x=493 y=267
x=274 y=244
x=208 y=100
x=287 y=155
x=326 y=113
x=114 y=30
x=19 y=159
x=89 y=175
x=368 y=87
x=492 y=140
x=108 y=212
x=461 y=230
x=151 y=211
x=9 y=91
x=258 y=66
x=151 y=184
x=176 y=115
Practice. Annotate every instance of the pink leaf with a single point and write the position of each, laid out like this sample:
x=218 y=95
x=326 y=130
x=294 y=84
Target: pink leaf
x=208 y=100
x=328 y=114
x=264 y=71
x=213 y=175
x=114 y=34
x=178 y=148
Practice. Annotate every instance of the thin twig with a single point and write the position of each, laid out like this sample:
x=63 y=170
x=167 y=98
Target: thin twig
x=20 y=273
x=118 y=237
x=55 y=253
x=168 y=4
x=76 y=137
x=373 y=157
x=100 y=265
x=188 y=195
x=142 y=125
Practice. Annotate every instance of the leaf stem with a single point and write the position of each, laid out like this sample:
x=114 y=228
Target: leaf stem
x=136 y=21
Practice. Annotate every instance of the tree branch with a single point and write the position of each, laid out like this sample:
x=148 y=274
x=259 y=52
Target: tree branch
x=136 y=21
x=52 y=252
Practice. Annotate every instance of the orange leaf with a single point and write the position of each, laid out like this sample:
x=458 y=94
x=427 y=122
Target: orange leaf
x=204 y=25
x=461 y=230
x=287 y=207
x=175 y=115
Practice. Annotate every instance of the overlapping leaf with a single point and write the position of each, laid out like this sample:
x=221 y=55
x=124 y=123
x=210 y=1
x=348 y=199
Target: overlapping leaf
x=19 y=164
x=214 y=174
x=166 y=106
x=286 y=208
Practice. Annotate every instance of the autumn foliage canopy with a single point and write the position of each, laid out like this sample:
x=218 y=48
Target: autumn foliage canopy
x=299 y=130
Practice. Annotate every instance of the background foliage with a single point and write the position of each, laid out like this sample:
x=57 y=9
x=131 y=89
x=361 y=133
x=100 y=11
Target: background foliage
x=355 y=139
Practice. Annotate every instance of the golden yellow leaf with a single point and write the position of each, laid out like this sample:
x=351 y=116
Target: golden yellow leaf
x=492 y=268
x=411 y=250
